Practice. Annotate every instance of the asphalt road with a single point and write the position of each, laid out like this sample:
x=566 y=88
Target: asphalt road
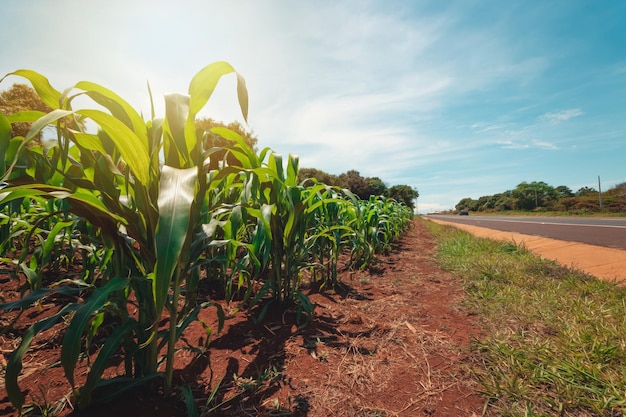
x=604 y=231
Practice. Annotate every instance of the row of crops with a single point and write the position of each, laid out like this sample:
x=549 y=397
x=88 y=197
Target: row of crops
x=137 y=217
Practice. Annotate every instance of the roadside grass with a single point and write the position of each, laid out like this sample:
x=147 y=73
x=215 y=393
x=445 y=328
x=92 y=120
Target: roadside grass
x=554 y=340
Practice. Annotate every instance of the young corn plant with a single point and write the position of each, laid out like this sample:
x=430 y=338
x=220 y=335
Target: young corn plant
x=291 y=224
x=330 y=236
x=147 y=211
x=282 y=215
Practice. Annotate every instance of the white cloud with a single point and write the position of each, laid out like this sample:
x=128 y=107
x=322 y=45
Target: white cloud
x=544 y=145
x=509 y=144
x=488 y=127
x=562 y=115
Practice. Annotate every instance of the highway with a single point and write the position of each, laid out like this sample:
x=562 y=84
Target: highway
x=600 y=231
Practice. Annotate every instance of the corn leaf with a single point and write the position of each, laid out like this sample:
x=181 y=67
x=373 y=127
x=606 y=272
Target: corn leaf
x=25 y=116
x=251 y=158
x=117 y=106
x=89 y=141
x=36 y=127
x=32 y=190
x=14 y=364
x=133 y=149
x=292 y=170
x=46 y=92
x=190 y=403
x=38 y=294
x=108 y=350
x=202 y=86
x=176 y=112
x=50 y=241
x=204 y=82
x=175 y=198
x=5 y=140
x=72 y=339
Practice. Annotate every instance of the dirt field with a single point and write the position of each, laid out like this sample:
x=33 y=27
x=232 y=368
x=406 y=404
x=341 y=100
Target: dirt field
x=393 y=342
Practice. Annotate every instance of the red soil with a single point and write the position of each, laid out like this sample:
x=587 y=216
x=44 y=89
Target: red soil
x=393 y=342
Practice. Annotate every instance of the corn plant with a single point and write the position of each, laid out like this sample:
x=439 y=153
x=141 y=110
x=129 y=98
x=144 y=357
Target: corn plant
x=43 y=239
x=330 y=237
x=148 y=212
x=144 y=203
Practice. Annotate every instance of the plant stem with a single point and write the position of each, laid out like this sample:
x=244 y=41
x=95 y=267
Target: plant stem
x=171 y=345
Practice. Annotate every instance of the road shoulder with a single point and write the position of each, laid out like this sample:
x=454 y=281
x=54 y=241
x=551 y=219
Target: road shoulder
x=605 y=263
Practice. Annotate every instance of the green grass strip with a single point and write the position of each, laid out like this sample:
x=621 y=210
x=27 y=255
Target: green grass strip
x=554 y=338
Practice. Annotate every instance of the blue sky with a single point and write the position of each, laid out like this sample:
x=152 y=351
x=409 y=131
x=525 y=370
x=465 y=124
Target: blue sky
x=456 y=98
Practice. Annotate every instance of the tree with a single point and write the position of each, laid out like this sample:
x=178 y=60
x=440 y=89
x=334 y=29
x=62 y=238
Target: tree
x=585 y=191
x=403 y=194
x=504 y=201
x=319 y=175
x=534 y=195
x=487 y=202
x=18 y=98
x=563 y=191
x=212 y=140
x=353 y=181
x=467 y=203
x=376 y=186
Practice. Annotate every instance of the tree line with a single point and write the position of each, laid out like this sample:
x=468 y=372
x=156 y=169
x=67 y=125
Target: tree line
x=363 y=187
x=537 y=196
x=21 y=97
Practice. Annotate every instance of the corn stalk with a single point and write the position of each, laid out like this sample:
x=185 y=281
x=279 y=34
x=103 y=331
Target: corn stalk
x=148 y=213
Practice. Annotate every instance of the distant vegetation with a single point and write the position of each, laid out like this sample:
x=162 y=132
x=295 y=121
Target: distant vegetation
x=363 y=187
x=541 y=197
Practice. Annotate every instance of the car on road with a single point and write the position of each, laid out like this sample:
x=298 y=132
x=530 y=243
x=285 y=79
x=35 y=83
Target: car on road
x=464 y=213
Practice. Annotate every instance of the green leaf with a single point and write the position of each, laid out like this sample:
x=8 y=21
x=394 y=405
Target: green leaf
x=243 y=153
x=36 y=127
x=28 y=116
x=117 y=106
x=133 y=149
x=72 y=339
x=109 y=349
x=32 y=190
x=46 y=92
x=5 y=140
x=38 y=294
x=176 y=196
x=202 y=86
x=89 y=203
x=44 y=121
x=48 y=244
x=14 y=364
x=204 y=82
x=242 y=95
x=89 y=141
x=190 y=403
x=113 y=388
x=83 y=203
x=292 y=170
x=176 y=113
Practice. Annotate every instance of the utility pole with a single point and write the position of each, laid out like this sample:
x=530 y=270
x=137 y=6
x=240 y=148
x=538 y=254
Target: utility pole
x=600 y=193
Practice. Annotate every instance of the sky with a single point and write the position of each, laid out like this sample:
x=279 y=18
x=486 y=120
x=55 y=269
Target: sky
x=454 y=98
